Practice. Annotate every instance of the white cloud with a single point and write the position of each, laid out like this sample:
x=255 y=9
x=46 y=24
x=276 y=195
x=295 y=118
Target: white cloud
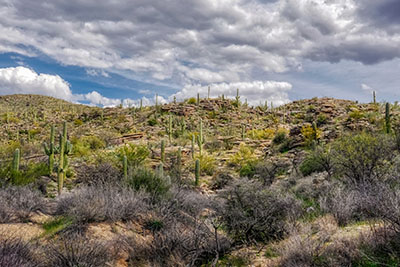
x=256 y=92
x=22 y=80
x=366 y=87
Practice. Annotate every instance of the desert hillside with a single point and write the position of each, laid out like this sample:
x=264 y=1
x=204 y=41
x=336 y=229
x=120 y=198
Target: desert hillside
x=204 y=182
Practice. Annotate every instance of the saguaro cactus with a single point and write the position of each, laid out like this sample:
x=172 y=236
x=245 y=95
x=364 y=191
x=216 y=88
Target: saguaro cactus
x=197 y=172
x=374 y=96
x=243 y=132
x=16 y=160
x=208 y=93
x=64 y=149
x=192 y=148
x=183 y=125
x=237 y=97
x=160 y=170
x=198 y=99
x=387 y=118
x=169 y=129
x=49 y=150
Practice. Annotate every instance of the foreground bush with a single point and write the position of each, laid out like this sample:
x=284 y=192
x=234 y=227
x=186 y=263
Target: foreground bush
x=183 y=234
x=102 y=203
x=15 y=252
x=346 y=205
x=253 y=213
x=78 y=251
x=18 y=203
x=312 y=245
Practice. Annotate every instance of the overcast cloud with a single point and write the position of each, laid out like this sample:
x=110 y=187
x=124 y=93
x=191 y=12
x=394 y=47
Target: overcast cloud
x=192 y=44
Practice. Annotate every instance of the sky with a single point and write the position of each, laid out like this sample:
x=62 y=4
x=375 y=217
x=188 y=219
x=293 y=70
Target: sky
x=120 y=51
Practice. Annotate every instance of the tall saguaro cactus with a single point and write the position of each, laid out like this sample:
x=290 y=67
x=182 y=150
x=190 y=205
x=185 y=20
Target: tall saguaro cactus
x=197 y=172
x=387 y=118
x=192 y=148
x=169 y=129
x=16 y=160
x=374 y=96
x=50 y=150
x=237 y=97
x=64 y=149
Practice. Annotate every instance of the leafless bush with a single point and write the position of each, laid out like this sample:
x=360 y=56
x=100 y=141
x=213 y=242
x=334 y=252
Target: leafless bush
x=18 y=203
x=313 y=186
x=310 y=247
x=184 y=232
x=16 y=252
x=266 y=171
x=107 y=203
x=346 y=204
x=101 y=174
x=253 y=213
x=77 y=252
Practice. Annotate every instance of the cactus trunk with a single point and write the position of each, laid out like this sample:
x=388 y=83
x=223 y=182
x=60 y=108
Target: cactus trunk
x=16 y=160
x=387 y=118
x=60 y=179
x=197 y=172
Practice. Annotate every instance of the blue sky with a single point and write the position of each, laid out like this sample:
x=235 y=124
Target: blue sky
x=100 y=52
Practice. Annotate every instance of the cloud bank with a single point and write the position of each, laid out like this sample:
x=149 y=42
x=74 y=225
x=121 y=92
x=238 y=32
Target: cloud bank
x=210 y=42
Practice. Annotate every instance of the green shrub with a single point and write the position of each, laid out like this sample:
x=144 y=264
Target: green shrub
x=244 y=156
x=363 y=157
x=135 y=154
x=321 y=119
x=192 y=101
x=152 y=122
x=207 y=163
x=145 y=179
x=280 y=137
x=310 y=165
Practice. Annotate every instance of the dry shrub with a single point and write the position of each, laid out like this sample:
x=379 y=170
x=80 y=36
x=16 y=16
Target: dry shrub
x=346 y=205
x=182 y=233
x=16 y=252
x=101 y=174
x=255 y=213
x=18 y=203
x=102 y=203
x=316 y=245
x=78 y=251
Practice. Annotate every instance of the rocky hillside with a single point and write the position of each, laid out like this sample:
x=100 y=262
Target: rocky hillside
x=205 y=182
